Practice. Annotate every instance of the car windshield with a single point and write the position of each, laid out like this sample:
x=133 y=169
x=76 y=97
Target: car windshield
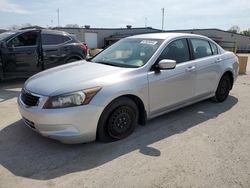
x=5 y=35
x=129 y=52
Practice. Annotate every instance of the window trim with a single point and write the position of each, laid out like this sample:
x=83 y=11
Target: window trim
x=70 y=39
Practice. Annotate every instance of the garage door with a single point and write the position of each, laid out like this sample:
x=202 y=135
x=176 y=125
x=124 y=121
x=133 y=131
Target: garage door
x=91 y=40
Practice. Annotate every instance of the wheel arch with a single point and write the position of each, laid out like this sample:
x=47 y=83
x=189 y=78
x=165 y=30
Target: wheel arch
x=139 y=103
x=141 y=108
x=231 y=76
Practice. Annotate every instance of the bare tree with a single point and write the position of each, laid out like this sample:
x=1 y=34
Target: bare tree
x=234 y=29
x=246 y=32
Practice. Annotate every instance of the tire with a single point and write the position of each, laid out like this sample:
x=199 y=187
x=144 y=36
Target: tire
x=70 y=60
x=223 y=89
x=118 y=120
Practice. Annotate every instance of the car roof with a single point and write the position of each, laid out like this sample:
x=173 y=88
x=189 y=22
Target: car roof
x=165 y=35
x=48 y=31
x=44 y=31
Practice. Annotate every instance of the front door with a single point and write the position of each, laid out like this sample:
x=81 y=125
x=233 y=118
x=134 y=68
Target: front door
x=170 y=88
x=22 y=54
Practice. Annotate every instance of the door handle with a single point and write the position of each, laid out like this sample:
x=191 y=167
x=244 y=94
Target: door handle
x=190 y=69
x=218 y=60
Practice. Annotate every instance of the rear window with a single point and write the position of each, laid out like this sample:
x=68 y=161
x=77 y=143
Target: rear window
x=201 y=48
x=49 y=39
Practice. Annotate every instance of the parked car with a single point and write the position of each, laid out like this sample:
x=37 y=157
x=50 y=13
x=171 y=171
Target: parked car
x=26 y=52
x=135 y=79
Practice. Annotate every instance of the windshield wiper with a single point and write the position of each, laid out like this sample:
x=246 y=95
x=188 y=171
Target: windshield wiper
x=116 y=64
x=111 y=63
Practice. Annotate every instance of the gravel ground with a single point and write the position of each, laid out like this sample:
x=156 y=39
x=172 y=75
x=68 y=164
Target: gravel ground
x=203 y=145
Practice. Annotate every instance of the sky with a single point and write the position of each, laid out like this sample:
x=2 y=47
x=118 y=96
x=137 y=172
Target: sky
x=179 y=14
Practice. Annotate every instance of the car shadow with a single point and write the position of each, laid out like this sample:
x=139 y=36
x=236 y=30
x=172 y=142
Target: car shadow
x=10 y=89
x=27 y=154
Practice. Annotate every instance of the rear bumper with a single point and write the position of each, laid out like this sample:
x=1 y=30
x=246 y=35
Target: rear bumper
x=67 y=125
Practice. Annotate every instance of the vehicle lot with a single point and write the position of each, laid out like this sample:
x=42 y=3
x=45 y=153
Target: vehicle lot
x=203 y=145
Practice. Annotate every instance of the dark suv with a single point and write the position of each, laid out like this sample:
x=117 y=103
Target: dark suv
x=26 y=52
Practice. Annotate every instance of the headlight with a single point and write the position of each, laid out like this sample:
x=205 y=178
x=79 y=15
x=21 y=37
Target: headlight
x=72 y=99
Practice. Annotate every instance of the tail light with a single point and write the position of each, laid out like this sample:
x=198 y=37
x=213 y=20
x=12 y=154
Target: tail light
x=84 y=48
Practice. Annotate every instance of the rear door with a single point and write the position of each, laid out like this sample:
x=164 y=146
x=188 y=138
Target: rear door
x=170 y=88
x=22 y=54
x=55 y=49
x=207 y=66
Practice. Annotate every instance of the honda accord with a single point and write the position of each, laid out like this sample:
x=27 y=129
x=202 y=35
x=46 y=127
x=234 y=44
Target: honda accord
x=133 y=80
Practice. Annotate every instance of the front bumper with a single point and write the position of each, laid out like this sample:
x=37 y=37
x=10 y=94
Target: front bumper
x=68 y=125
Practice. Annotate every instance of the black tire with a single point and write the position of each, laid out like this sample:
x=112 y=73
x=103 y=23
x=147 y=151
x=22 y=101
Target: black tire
x=223 y=89
x=70 y=60
x=118 y=120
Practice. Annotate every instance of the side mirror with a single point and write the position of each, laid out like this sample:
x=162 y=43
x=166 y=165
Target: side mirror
x=166 y=64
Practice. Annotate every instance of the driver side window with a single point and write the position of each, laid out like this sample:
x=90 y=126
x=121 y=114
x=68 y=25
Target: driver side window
x=177 y=50
x=25 y=39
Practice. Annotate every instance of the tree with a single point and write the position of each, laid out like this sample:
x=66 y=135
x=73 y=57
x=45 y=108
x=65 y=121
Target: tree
x=246 y=32
x=234 y=29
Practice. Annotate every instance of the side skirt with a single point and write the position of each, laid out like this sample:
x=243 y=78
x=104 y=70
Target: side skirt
x=180 y=105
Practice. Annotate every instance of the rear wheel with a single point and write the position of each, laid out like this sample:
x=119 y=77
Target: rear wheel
x=118 y=120
x=223 y=89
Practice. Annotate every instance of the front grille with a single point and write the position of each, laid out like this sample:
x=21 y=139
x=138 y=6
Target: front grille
x=29 y=99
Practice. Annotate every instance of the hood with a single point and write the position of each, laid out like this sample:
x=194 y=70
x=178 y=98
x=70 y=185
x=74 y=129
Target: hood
x=71 y=77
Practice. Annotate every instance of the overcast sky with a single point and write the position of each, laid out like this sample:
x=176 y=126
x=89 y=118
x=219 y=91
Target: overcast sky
x=189 y=14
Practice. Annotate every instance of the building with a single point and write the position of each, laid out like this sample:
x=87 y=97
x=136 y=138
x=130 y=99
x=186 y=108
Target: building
x=97 y=37
x=2 y=30
x=102 y=37
x=228 y=40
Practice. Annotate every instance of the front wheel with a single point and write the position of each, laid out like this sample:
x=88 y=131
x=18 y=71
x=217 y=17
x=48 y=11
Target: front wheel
x=223 y=89
x=118 y=120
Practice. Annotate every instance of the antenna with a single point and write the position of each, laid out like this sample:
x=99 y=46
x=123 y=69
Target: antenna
x=162 y=20
x=58 y=18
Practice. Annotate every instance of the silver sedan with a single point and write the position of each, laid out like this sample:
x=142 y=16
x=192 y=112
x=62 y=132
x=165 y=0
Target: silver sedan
x=135 y=79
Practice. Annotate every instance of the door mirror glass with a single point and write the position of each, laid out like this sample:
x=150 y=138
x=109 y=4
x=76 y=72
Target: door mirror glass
x=165 y=64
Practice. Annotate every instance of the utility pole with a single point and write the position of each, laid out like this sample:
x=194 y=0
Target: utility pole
x=146 y=20
x=162 y=20
x=58 y=18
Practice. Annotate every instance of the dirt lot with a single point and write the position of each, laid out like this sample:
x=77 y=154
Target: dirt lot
x=203 y=145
